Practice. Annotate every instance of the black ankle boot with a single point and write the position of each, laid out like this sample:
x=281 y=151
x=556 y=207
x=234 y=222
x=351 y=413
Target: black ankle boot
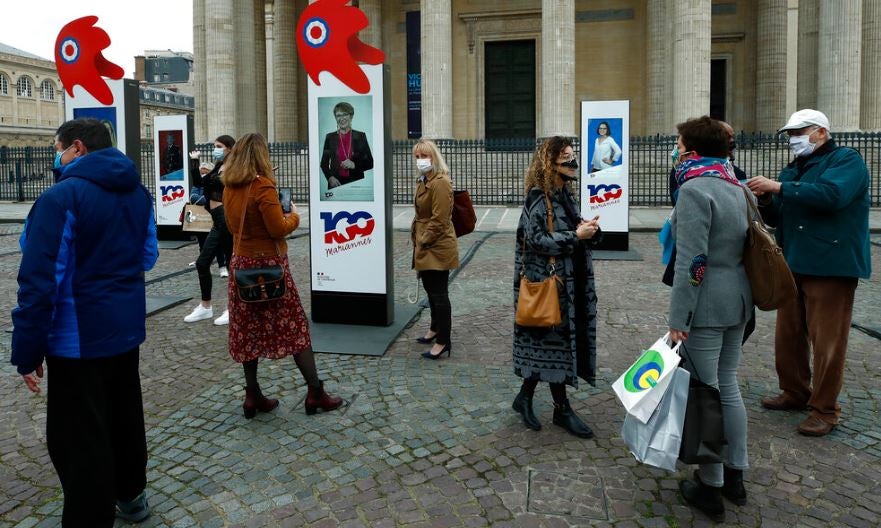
x=733 y=489
x=705 y=498
x=566 y=418
x=523 y=405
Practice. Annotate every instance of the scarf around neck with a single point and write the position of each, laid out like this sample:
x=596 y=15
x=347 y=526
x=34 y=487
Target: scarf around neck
x=705 y=166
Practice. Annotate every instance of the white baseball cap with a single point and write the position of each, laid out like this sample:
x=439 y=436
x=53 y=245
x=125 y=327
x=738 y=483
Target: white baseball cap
x=806 y=117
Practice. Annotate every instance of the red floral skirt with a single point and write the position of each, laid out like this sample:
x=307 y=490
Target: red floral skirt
x=272 y=329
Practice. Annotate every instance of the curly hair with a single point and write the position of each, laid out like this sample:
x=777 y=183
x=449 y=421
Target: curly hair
x=542 y=171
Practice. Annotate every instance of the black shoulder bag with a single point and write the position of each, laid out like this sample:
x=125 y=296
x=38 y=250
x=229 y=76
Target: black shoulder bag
x=258 y=284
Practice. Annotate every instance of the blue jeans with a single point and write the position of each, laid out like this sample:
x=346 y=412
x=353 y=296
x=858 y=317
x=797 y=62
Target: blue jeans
x=713 y=354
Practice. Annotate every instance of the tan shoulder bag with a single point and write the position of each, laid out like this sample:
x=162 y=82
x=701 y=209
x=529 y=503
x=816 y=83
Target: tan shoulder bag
x=538 y=303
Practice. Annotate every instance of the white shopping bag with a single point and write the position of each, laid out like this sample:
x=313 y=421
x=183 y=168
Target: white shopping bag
x=657 y=442
x=642 y=386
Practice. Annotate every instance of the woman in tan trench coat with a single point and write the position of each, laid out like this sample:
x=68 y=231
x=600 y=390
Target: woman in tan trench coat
x=435 y=249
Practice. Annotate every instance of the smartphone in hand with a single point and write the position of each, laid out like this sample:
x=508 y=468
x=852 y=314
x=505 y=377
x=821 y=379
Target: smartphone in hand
x=285 y=195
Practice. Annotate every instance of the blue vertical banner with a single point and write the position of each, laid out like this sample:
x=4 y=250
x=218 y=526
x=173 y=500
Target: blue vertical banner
x=414 y=74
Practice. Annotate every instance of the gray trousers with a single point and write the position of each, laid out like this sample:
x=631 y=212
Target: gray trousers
x=713 y=354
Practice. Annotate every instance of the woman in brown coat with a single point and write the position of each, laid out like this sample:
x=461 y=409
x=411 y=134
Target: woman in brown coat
x=277 y=328
x=435 y=249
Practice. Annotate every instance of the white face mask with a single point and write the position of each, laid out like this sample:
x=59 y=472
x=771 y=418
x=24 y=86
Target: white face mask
x=801 y=145
x=423 y=164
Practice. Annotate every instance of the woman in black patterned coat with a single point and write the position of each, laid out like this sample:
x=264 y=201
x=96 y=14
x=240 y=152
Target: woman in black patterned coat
x=562 y=354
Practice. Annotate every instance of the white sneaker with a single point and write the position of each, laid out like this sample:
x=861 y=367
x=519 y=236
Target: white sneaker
x=224 y=272
x=192 y=264
x=223 y=319
x=199 y=313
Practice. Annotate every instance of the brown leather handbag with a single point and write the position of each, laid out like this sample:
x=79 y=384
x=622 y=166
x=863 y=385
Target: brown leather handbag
x=538 y=303
x=262 y=284
x=770 y=278
x=463 y=216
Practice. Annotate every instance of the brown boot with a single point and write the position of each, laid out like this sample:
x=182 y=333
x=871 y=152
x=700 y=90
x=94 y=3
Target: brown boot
x=255 y=401
x=317 y=399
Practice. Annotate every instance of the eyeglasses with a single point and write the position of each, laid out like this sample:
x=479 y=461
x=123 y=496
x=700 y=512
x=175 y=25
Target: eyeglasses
x=341 y=115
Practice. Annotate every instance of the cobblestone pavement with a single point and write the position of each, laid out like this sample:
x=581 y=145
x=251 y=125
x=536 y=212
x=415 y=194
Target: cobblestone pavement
x=435 y=444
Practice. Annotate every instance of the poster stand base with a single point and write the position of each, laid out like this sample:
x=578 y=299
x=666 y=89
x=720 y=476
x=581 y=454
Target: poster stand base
x=614 y=241
x=373 y=309
x=171 y=232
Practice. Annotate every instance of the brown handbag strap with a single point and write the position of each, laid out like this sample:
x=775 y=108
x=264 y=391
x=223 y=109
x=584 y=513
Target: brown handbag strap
x=242 y=221
x=552 y=260
x=750 y=206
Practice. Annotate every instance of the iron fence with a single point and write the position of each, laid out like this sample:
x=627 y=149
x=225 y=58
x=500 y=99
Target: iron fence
x=491 y=170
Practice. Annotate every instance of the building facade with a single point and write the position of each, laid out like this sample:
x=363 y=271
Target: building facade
x=31 y=99
x=161 y=102
x=171 y=70
x=520 y=68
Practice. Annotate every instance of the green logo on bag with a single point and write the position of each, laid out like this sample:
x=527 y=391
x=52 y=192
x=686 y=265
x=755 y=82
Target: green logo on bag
x=644 y=374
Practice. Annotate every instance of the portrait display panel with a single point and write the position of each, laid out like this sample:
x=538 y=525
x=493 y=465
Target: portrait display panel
x=605 y=162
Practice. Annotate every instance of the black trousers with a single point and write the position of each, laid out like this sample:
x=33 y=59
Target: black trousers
x=436 y=284
x=221 y=256
x=96 y=437
x=219 y=240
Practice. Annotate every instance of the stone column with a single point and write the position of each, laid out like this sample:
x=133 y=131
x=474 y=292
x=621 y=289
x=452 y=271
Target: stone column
x=771 y=26
x=200 y=71
x=373 y=33
x=838 y=83
x=657 y=59
x=221 y=68
x=808 y=28
x=557 y=114
x=269 y=20
x=284 y=72
x=691 y=59
x=870 y=89
x=246 y=71
x=260 y=66
x=437 y=69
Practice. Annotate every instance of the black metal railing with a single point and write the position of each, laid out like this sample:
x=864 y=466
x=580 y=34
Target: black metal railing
x=492 y=170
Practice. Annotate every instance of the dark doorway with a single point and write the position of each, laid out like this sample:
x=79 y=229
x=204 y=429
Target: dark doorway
x=509 y=75
x=718 y=88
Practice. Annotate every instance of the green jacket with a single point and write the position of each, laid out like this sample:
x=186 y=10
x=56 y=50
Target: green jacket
x=822 y=213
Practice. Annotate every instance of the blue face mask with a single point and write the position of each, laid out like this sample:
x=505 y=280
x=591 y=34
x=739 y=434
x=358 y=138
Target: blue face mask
x=218 y=154
x=57 y=163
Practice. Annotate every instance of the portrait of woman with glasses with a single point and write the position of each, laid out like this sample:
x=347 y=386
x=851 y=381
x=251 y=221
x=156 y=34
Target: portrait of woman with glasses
x=346 y=155
x=606 y=151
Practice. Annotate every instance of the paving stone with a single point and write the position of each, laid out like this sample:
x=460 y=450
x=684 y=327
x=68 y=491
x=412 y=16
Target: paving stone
x=438 y=445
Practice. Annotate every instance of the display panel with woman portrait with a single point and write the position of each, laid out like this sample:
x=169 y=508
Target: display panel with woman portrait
x=346 y=159
x=603 y=142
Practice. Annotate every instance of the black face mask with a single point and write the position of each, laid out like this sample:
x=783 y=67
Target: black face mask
x=571 y=164
x=566 y=177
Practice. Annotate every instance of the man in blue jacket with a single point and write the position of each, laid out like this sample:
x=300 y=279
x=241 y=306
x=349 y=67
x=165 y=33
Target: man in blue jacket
x=820 y=206
x=81 y=307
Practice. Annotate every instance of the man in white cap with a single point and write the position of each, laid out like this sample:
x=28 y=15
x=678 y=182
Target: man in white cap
x=820 y=207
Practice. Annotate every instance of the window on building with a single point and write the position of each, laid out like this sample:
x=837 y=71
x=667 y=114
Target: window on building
x=4 y=85
x=164 y=76
x=148 y=129
x=156 y=77
x=167 y=98
x=25 y=87
x=47 y=91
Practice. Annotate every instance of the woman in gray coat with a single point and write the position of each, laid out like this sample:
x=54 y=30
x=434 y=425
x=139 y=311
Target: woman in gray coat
x=711 y=301
x=561 y=354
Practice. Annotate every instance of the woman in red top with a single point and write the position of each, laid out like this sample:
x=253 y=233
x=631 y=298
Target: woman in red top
x=272 y=329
